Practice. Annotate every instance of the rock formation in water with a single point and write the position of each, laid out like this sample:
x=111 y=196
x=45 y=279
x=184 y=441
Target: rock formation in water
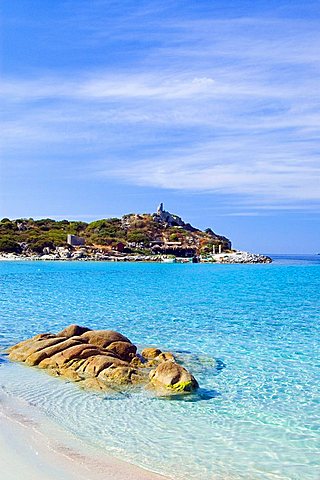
x=103 y=360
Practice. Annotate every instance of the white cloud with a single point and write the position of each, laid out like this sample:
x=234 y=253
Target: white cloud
x=250 y=169
x=106 y=86
x=226 y=106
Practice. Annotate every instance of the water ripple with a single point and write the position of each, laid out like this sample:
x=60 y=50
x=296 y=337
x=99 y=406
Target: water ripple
x=250 y=334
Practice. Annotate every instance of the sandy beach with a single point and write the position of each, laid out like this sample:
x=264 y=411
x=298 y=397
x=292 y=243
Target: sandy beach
x=33 y=448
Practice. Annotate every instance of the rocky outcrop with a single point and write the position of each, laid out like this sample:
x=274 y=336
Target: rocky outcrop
x=103 y=360
x=171 y=220
x=237 y=257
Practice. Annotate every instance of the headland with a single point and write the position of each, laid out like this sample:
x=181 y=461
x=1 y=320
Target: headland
x=156 y=237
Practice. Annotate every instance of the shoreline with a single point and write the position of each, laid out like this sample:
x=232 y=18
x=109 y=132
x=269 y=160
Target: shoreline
x=237 y=257
x=34 y=448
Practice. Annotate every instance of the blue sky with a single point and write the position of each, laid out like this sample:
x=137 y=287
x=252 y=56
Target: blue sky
x=212 y=107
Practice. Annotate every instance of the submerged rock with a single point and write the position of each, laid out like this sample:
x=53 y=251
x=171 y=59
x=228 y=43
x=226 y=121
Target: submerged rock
x=171 y=376
x=102 y=360
x=150 y=353
x=164 y=356
x=94 y=384
x=156 y=356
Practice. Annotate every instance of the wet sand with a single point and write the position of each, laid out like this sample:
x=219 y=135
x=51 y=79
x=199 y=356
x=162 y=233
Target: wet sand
x=34 y=448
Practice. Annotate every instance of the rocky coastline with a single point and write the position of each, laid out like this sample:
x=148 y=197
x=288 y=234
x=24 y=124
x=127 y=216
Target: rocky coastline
x=84 y=254
x=238 y=257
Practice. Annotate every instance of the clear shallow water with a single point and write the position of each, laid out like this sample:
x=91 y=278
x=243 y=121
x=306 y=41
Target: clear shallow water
x=256 y=417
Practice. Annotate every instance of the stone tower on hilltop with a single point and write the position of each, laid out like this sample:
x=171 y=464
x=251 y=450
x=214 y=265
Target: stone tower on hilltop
x=160 y=209
x=162 y=216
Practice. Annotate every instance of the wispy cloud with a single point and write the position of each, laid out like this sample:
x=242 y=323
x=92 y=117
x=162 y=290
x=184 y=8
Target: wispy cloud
x=234 y=167
x=229 y=106
x=109 y=86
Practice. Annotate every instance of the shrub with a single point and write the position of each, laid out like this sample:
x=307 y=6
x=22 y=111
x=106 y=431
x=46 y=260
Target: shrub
x=9 y=246
x=207 y=248
x=137 y=237
x=39 y=245
x=174 y=237
x=6 y=224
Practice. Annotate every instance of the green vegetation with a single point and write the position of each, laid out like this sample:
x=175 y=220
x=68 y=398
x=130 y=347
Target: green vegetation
x=174 y=237
x=138 y=236
x=8 y=245
x=207 y=247
x=136 y=232
x=16 y=235
x=182 y=386
x=105 y=232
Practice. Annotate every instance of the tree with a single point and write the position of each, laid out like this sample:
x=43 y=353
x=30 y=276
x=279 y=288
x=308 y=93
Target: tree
x=9 y=246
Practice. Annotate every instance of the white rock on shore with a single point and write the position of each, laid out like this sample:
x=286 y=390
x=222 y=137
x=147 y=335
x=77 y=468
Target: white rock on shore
x=237 y=257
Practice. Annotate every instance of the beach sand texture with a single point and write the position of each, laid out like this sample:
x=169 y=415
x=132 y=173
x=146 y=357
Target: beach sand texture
x=33 y=448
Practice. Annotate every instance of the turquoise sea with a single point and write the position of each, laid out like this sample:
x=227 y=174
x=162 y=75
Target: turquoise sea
x=249 y=333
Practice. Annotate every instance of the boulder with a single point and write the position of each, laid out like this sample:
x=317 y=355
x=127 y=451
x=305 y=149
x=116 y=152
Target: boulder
x=154 y=356
x=119 y=375
x=124 y=350
x=164 y=356
x=73 y=330
x=74 y=350
x=138 y=362
x=94 y=365
x=29 y=341
x=24 y=349
x=172 y=377
x=37 y=356
x=150 y=353
x=40 y=336
x=103 y=338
